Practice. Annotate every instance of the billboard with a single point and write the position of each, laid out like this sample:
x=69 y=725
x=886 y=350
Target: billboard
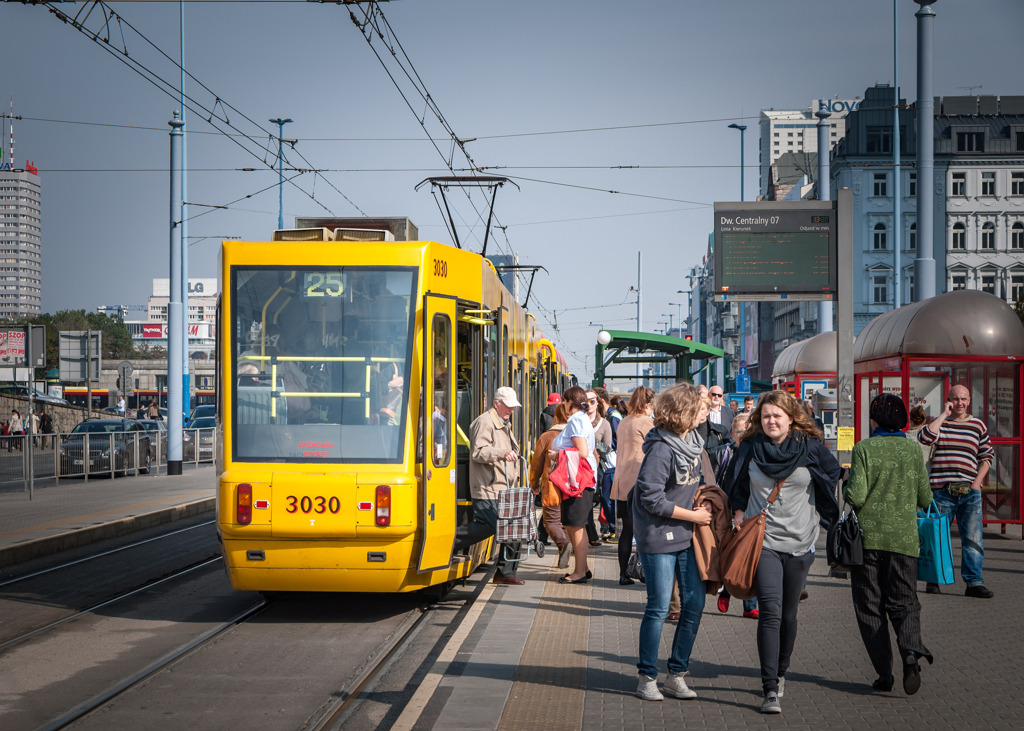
x=12 y=347
x=13 y=344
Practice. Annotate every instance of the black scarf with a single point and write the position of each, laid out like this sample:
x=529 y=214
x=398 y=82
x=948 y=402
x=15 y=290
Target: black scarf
x=778 y=461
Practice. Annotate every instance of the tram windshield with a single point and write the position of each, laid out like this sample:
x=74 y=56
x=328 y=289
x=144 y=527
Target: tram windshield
x=320 y=361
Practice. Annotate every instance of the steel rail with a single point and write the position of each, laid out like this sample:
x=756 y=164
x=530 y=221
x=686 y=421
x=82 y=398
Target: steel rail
x=102 y=554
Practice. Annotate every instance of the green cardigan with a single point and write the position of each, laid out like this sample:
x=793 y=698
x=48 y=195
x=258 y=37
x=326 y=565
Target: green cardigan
x=888 y=482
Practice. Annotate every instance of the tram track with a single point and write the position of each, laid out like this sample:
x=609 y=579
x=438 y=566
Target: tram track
x=336 y=712
x=109 y=602
x=98 y=701
x=102 y=554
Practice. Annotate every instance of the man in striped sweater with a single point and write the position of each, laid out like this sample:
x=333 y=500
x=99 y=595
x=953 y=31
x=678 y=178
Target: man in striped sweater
x=960 y=464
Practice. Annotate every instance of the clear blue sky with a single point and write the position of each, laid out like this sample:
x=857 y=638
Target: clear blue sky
x=534 y=84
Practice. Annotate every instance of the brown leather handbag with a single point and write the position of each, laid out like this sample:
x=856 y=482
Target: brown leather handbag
x=738 y=561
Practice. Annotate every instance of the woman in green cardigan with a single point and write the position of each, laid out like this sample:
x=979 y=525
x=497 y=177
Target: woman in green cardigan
x=888 y=482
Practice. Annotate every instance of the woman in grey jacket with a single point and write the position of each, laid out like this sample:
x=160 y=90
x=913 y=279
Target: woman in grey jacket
x=663 y=521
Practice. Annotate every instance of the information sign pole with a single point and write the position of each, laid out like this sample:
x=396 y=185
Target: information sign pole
x=27 y=422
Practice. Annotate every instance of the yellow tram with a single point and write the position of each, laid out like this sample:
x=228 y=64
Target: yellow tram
x=348 y=376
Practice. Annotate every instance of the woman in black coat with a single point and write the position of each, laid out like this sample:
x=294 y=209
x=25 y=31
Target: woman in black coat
x=782 y=446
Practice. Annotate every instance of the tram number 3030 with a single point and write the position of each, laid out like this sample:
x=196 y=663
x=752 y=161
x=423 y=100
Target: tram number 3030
x=440 y=268
x=315 y=504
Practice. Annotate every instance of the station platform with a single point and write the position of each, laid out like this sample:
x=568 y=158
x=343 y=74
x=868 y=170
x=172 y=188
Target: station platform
x=76 y=512
x=556 y=656
x=553 y=656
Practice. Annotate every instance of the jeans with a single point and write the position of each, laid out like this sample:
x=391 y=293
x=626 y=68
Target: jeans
x=483 y=526
x=607 y=504
x=779 y=580
x=660 y=571
x=967 y=511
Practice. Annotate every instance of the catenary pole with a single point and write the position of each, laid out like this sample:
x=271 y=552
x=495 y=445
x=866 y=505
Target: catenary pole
x=186 y=388
x=280 y=169
x=825 y=309
x=174 y=321
x=924 y=264
x=897 y=223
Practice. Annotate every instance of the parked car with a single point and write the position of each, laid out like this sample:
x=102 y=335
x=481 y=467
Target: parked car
x=157 y=436
x=43 y=398
x=111 y=447
x=203 y=410
x=202 y=430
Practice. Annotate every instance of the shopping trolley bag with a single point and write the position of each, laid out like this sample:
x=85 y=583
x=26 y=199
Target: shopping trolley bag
x=517 y=522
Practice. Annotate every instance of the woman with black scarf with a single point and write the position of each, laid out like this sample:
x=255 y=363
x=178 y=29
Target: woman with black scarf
x=782 y=445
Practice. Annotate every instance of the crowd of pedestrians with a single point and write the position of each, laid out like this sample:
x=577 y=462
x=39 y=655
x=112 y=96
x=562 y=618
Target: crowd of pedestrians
x=678 y=470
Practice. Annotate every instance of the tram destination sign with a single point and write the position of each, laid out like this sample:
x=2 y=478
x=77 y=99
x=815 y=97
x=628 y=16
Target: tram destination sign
x=774 y=251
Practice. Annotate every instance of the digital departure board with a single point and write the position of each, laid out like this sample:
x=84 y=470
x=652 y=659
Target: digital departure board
x=773 y=250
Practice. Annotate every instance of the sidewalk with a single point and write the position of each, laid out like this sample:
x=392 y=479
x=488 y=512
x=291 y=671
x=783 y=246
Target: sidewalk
x=76 y=513
x=553 y=656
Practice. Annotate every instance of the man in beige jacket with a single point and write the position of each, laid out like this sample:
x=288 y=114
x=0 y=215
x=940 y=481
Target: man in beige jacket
x=493 y=467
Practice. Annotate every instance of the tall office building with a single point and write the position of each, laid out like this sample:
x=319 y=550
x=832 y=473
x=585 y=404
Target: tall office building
x=21 y=270
x=795 y=130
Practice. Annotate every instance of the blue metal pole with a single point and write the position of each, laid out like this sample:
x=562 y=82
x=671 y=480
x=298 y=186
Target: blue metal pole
x=186 y=387
x=174 y=339
x=280 y=169
x=924 y=264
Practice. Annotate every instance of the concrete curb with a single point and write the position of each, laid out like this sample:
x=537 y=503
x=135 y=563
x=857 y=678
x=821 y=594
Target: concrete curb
x=40 y=547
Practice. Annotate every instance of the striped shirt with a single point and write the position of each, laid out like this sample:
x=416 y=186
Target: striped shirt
x=960 y=447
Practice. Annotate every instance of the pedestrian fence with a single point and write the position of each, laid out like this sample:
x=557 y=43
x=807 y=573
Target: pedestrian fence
x=87 y=456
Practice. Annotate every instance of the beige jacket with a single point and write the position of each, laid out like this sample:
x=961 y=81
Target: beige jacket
x=629 y=453
x=490 y=438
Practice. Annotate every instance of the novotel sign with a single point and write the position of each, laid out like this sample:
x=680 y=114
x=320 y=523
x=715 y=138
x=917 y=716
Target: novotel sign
x=838 y=106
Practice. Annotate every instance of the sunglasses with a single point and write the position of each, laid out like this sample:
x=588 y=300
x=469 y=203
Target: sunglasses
x=591 y=400
x=716 y=395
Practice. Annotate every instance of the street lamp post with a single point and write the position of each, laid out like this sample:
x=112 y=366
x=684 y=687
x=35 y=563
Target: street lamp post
x=280 y=169
x=679 y=314
x=742 y=128
x=669 y=316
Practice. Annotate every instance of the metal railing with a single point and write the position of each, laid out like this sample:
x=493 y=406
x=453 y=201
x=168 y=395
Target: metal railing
x=88 y=455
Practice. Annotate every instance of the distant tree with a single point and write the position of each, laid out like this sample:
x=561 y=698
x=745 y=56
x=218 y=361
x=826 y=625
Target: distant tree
x=151 y=352
x=116 y=340
x=1018 y=305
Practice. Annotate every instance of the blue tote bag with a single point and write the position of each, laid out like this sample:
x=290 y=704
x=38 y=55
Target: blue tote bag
x=935 y=564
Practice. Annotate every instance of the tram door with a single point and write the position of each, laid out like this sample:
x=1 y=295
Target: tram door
x=439 y=463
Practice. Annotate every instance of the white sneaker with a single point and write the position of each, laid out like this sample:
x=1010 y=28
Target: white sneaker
x=676 y=687
x=782 y=685
x=648 y=689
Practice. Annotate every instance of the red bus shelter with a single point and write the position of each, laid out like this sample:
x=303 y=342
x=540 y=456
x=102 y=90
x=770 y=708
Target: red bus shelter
x=806 y=366
x=964 y=337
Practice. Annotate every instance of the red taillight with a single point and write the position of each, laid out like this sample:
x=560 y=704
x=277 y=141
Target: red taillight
x=383 y=517
x=243 y=504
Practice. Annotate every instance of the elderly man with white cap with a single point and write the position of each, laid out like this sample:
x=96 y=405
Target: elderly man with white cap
x=493 y=467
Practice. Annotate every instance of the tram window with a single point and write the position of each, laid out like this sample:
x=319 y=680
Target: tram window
x=320 y=359
x=441 y=418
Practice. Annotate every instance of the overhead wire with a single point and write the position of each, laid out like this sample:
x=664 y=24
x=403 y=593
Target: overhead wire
x=196 y=106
